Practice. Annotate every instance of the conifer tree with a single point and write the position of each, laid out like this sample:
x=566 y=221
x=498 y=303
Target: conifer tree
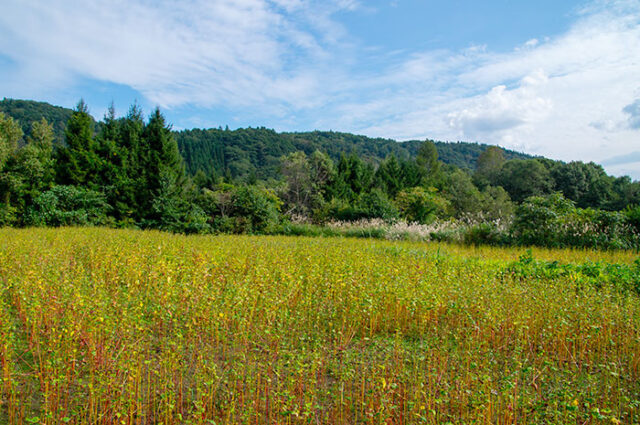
x=77 y=161
x=162 y=165
x=427 y=160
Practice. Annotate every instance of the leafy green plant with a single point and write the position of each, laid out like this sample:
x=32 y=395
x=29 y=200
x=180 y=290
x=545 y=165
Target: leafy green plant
x=69 y=206
x=421 y=205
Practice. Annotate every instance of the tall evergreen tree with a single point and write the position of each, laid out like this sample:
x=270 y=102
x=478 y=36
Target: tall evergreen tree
x=427 y=160
x=77 y=162
x=10 y=134
x=389 y=176
x=488 y=167
x=160 y=160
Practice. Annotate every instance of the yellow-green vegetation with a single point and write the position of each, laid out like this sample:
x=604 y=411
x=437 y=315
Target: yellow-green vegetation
x=127 y=327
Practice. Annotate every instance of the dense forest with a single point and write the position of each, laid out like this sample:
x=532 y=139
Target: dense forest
x=61 y=167
x=258 y=150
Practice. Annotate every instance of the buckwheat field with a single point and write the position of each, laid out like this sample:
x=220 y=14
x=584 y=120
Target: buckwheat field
x=129 y=327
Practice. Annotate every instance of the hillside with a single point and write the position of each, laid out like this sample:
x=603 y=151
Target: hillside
x=258 y=150
x=28 y=111
x=130 y=171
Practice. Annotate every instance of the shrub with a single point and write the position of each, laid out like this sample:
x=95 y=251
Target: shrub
x=632 y=214
x=620 y=278
x=254 y=209
x=8 y=215
x=376 y=204
x=554 y=221
x=420 y=205
x=178 y=215
x=484 y=234
x=68 y=206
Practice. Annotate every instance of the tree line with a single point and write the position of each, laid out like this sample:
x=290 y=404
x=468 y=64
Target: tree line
x=134 y=171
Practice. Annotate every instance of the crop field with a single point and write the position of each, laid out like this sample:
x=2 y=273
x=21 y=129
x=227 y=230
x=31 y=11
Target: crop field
x=103 y=326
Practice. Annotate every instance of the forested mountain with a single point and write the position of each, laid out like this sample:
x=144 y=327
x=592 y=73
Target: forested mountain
x=257 y=151
x=27 y=111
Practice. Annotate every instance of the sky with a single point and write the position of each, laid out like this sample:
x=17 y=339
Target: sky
x=554 y=78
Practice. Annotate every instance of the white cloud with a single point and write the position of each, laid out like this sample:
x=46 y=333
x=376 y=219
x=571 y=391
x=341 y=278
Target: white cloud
x=232 y=52
x=563 y=97
x=501 y=110
x=572 y=96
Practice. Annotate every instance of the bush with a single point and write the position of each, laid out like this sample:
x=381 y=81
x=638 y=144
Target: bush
x=68 y=206
x=376 y=204
x=620 y=278
x=554 y=221
x=370 y=205
x=241 y=209
x=632 y=215
x=254 y=209
x=178 y=215
x=8 y=215
x=421 y=206
x=484 y=234
x=288 y=228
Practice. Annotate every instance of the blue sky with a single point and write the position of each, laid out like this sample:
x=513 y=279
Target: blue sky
x=555 y=78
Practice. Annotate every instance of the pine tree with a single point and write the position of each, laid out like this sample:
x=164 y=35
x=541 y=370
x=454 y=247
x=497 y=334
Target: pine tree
x=77 y=161
x=427 y=160
x=161 y=161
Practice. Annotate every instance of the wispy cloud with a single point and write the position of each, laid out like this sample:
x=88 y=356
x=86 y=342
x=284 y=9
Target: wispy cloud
x=570 y=96
x=237 y=52
x=563 y=97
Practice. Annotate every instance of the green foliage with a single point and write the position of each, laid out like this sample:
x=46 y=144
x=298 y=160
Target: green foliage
x=173 y=210
x=488 y=167
x=619 y=278
x=8 y=216
x=10 y=134
x=259 y=150
x=68 y=206
x=254 y=209
x=287 y=228
x=633 y=216
x=496 y=204
x=26 y=112
x=389 y=176
x=427 y=161
x=525 y=178
x=464 y=196
x=28 y=170
x=586 y=184
x=353 y=177
x=420 y=205
x=376 y=204
x=301 y=192
x=77 y=163
x=160 y=154
x=138 y=168
x=554 y=221
x=484 y=234
x=242 y=209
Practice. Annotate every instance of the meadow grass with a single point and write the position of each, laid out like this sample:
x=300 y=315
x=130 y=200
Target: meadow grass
x=102 y=326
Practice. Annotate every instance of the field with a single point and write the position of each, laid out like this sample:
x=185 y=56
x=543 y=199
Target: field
x=127 y=327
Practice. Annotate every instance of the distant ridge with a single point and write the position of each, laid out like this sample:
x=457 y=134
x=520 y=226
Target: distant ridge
x=258 y=150
x=28 y=111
